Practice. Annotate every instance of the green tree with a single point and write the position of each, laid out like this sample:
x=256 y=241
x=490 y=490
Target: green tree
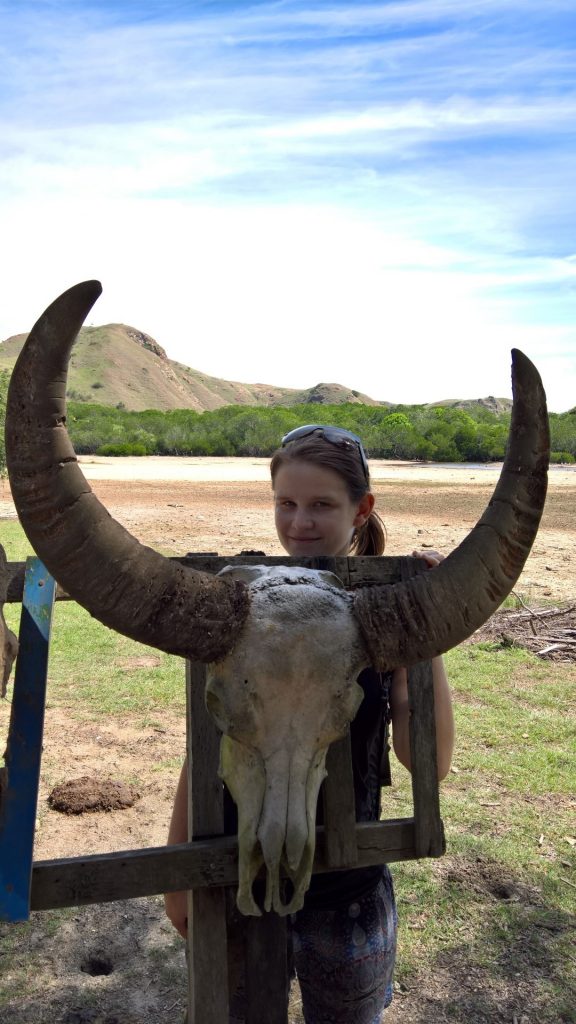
x=393 y=432
x=563 y=432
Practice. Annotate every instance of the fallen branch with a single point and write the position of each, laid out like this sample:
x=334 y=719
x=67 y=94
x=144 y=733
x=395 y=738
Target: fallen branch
x=546 y=613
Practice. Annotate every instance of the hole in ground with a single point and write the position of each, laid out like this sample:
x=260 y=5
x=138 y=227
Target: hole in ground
x=97 y=966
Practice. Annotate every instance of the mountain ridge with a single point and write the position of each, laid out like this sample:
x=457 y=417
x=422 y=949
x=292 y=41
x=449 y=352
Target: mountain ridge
x=122 y=366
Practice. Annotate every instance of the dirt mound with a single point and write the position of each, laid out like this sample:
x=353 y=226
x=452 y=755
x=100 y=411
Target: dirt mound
x=90 y=794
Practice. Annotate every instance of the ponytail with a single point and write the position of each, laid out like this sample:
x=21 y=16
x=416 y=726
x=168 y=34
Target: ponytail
x=370 y=538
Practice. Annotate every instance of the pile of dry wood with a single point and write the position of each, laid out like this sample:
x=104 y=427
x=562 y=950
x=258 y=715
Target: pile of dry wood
x=547 y=632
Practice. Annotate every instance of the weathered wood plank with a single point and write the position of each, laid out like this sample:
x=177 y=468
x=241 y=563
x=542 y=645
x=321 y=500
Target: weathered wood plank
x=20 y=777
x=428 y=829
x=266 y=980
x=340 y=848
x=205 y=793
x=125 y=874
x=355 y=571
x=207 y=942
x=207 y=957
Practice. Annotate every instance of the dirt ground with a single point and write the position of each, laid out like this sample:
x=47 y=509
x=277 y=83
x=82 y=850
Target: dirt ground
x=121 y=963
x=224 y=505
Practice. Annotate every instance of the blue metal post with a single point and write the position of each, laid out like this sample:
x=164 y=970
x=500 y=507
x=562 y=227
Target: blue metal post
x=20 y=777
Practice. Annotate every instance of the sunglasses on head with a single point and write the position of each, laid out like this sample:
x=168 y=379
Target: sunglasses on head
x=335 y=435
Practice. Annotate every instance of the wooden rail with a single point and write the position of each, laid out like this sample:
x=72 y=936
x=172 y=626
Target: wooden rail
x=357 y=571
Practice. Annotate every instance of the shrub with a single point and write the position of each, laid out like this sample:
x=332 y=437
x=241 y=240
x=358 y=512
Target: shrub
x=562 y=457
x=124 y=448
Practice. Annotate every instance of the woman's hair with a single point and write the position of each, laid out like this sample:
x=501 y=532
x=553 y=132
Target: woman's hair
x=345 y=460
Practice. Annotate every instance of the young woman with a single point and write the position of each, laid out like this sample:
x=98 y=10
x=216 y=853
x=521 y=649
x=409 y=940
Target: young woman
x=344 y=938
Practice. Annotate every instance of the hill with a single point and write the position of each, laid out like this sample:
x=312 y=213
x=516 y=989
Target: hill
x=495 y=405
x=119 y=365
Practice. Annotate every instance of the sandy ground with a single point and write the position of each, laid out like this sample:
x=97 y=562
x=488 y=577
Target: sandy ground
x=157 y=467
x=224 y=506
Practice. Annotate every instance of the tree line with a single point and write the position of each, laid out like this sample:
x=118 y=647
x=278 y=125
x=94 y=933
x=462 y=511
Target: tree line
x=439 y=433
x=412 y=432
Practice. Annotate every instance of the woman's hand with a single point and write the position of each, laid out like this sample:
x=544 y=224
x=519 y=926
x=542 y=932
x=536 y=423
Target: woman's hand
x=432 y=558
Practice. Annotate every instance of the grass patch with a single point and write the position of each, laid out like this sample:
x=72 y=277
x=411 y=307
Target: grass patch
x=94 y=671
x=499 y=910
x=15 y=541
x=108 y=674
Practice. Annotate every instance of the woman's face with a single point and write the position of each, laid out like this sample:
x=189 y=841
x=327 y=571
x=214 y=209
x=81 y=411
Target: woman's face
x=313 y=511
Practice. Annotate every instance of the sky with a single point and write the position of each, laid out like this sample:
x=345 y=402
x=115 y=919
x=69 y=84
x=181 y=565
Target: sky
x=380 y=195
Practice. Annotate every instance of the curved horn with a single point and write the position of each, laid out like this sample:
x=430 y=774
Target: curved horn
x=126 y=585
x=429 y=614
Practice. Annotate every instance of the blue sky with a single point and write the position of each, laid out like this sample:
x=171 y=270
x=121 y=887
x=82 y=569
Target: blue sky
x=378 y=194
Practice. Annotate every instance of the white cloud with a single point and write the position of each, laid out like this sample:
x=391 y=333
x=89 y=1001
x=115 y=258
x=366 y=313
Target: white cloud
x=379 y=194
x=287 y=297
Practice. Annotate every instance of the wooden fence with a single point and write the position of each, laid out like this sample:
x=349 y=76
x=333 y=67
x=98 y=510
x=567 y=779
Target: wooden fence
x=207 y=866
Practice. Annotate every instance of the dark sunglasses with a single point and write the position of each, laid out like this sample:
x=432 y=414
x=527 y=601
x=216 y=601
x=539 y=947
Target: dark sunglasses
x=335 y=435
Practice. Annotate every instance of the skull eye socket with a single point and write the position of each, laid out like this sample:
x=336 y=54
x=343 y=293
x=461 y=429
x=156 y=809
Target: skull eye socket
x=219 y=712
x=213 y=703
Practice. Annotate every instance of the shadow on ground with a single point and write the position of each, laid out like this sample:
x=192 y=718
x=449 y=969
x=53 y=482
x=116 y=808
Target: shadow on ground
x=122 y=963
x=514 y=965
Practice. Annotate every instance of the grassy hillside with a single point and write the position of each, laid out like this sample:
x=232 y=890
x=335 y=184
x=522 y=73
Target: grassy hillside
x=119 y=365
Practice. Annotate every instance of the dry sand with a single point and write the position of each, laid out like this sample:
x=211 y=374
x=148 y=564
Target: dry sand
x=191 y=468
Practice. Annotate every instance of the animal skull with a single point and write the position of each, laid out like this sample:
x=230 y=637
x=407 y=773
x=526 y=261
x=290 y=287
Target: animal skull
x=229 y=624
x=284 y=693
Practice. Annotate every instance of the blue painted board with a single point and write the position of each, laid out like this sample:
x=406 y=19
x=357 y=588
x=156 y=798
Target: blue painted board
x=19 y=794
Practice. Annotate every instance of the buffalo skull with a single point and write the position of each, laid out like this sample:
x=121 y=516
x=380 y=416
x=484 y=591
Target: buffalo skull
x=220 y=620
x=284 y=693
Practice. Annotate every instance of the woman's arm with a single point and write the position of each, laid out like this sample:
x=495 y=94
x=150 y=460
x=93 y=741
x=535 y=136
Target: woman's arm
x=443 y=715
x=176 y=903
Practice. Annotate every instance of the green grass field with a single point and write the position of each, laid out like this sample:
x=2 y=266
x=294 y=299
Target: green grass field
x=501 y=905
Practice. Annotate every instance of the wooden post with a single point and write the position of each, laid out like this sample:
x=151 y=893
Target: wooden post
x=267 y=981
x=262 y=941
x=19 y=779
x=340 y=849
x=207 y=944
x=428 y=828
